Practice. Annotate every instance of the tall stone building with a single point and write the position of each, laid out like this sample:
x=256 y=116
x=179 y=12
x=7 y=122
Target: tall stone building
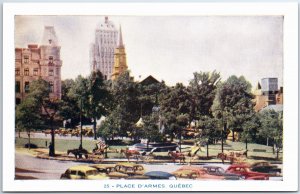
x=36 y=62
x=103 y=49
x=120 y=64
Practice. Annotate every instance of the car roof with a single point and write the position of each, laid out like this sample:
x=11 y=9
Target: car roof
x=185 y=171
x=82 y=168
x=239 y=166
x=192 y=168
x=128 y=164
x=102 y=165
x=208 y=166
x=158 y=174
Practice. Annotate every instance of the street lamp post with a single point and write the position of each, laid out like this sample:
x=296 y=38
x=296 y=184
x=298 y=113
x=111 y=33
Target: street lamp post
x=80 y=146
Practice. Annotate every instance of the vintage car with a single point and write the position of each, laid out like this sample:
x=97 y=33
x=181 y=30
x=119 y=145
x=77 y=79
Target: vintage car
x=110 y=171
x=190 y=172
x=157 y=147
x=130 y=169
x=83 y=172
x=160 y=175
x=244 y=170
x=219 y=171
x=154 y=175
x=265 y=167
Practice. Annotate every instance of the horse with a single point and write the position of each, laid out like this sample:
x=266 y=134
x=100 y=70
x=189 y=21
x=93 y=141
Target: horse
x=131 y=153
x=78 y=152
x=177 y=155
x=232 y=156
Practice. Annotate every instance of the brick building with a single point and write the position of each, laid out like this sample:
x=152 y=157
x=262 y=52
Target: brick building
x=39 y=61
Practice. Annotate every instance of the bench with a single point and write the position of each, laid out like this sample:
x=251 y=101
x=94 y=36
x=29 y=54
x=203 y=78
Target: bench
x=259 y=150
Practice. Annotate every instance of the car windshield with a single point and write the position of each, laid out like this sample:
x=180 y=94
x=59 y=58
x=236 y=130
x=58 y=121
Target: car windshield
x=91 y=172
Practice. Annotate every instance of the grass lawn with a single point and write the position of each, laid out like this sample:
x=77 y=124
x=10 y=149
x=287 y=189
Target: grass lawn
x=62 y=145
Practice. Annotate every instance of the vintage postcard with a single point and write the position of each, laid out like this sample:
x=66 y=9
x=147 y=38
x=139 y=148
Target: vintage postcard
x=150 y=97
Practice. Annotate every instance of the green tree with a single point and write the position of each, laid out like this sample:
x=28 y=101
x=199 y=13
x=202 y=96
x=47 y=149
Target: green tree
x=110 y=128
x=126 y=103
x=150 y=129
x=46 y=107
x=250 y=129
x=69 y=107
x=233 y=104
x=98 y=98
x=92 y=96
x=272 y=127
x=28 y=117
x=202 y=89
x=175 y=109
x=210 y=131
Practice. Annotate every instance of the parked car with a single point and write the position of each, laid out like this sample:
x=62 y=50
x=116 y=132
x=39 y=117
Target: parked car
x=219 y=171
x=130 y=169
x=190 y=172
x=244 y=170
x=154 y=175
x=110 y=171
x=83 y=172
x=265 y=167
x=157 y=147
x=160 y=175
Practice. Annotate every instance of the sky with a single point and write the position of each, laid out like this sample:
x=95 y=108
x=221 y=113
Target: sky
x=170 y=48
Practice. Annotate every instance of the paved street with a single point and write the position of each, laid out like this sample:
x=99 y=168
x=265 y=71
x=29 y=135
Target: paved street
x=52 y=169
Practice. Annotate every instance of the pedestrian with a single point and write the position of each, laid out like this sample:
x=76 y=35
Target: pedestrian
x=50 y=149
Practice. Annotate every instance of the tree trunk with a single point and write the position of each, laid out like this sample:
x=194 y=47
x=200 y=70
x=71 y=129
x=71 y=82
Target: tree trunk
x=277 y=152
x=246 y=147
x=148 y=144
x=207 y=154
x=180 y=139
x=52 y=148
x=222 y=143
x=232 y=135
x=95 y=130
x=29 y=143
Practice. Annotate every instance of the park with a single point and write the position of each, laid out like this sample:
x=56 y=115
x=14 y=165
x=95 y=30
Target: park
x=210 y=121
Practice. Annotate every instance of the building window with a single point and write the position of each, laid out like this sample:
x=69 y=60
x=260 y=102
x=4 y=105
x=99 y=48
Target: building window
x=18 y=101
x=50 y=60
x=17 y=71
x=26 y=87
x=50 y=72
x=26 y=59
x=57 y=87
x=18 y=86
x=26 y=71
x=51 y=87
x=57 y=71
x=35 y=71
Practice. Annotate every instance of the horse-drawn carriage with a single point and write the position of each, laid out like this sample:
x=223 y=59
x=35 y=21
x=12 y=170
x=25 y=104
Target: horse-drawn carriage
x=233 y=156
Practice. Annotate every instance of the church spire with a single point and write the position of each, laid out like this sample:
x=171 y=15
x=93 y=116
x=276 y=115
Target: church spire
x=121 y=45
